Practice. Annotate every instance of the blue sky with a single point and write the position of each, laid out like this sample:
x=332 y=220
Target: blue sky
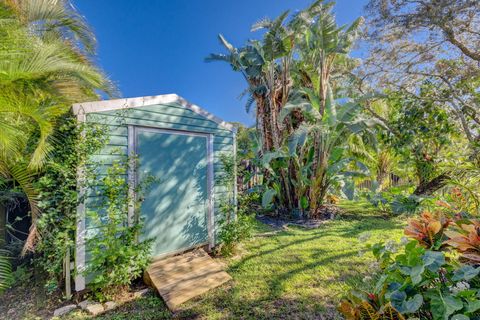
x=151 y=47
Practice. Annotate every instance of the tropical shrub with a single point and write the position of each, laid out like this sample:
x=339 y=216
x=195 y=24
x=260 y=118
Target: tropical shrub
x=395 y=201
x=237 y=222
x=464 y=236
x=428 y=229
x=421 y=281
x=234 y=232
x=117 y=256
x=332 y=167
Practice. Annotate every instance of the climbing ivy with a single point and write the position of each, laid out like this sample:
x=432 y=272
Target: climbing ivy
x=58 y=195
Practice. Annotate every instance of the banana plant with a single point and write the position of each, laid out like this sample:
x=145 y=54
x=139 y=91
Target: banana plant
x=306 y=50
x=323 y=140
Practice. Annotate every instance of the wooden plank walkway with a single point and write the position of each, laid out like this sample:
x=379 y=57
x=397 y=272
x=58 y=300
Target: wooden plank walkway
x=180 y=278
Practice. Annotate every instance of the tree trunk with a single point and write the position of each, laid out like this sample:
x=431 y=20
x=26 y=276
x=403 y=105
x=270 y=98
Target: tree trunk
x=429 y=187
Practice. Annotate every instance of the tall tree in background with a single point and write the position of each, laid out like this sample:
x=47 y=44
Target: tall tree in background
x=266 y=66
x=323 y=65
x=44 y=67
x=296 y=71
x=436 y=40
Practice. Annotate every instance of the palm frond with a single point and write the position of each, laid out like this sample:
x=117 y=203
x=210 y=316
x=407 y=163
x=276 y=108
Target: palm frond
x=264 y=23
x=6 y=272
x=60 y=16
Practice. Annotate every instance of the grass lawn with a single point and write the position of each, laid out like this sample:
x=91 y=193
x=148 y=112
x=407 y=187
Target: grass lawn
x=293 y=274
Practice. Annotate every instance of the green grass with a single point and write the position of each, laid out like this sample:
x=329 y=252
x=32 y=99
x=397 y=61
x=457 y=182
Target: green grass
x=293 y=274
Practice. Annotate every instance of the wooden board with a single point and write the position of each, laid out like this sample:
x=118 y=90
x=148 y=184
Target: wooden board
x=182 y=277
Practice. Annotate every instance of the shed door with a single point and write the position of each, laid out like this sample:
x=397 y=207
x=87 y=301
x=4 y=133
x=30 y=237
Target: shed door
x=175 y=209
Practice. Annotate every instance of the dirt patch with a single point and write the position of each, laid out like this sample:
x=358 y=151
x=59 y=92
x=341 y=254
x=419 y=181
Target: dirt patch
x=326 y=212
x=29 y=303
x=32 y=302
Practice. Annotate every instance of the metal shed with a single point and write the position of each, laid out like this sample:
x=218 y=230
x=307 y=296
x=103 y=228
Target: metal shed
x=180 y=144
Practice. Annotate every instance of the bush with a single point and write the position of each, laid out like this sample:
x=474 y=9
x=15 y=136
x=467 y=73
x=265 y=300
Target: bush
x=117 y=257
x=233 y=232
x=236 y=225
x=396 y=202
x=421 y=281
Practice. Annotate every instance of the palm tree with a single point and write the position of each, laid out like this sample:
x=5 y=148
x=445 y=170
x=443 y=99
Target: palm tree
x=44 y=68
x=266 y=66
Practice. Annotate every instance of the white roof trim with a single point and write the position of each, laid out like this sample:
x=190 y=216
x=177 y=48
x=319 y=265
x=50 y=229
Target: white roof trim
x=118 y=104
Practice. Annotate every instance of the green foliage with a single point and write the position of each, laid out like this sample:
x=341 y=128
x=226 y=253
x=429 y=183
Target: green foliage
x=237 y=223
x=58 y=195
x=294 y=74
x=6 y=272
x=420 y=281
x=44 y=68
x=117 y=256
x=237 y=230
x=326 y=137
x=421 y=133
x=396 y=201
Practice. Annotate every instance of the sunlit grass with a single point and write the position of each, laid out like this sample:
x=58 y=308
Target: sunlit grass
x=294 y=273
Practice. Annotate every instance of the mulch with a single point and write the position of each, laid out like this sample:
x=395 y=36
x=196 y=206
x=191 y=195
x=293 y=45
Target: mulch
x=315 y=220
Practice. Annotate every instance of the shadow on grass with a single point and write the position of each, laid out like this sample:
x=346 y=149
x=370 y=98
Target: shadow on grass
x=224 y=307
x=294 y=274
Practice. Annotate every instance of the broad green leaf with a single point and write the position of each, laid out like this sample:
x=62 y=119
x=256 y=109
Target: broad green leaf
x=268 y=197
x=433 y=260
x=466 y=272
x=298 y=138
x=452 y=304
x=338 y=166
x=473 y=306
x=416 y=273
x=330 y=115
x=443 y=305
x=413 y=304
x=349 y=189
x=397 y=299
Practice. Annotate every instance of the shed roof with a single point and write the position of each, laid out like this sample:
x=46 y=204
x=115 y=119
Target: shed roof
x=127 y=103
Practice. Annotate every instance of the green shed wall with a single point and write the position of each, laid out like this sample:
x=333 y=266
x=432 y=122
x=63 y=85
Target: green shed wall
x=172 y=116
